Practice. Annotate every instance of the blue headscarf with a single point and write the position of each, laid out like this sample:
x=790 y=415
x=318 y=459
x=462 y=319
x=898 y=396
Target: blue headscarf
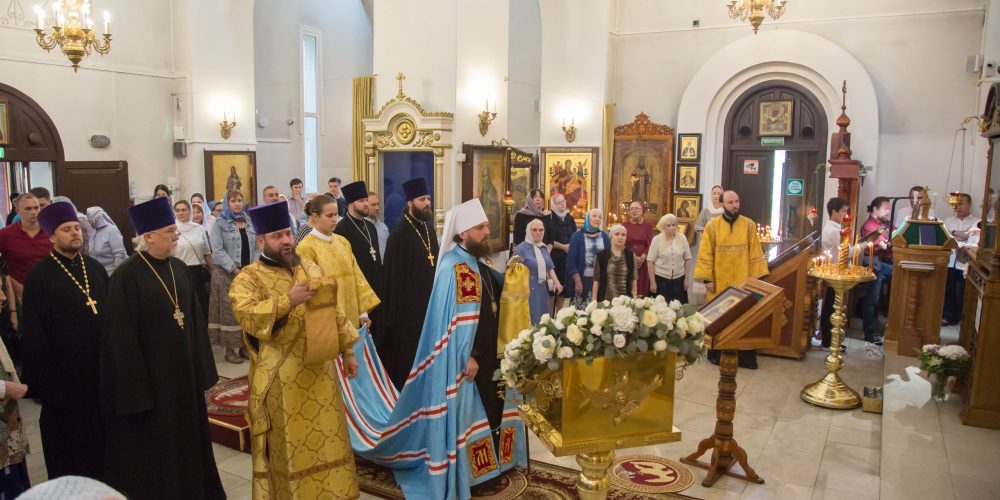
x=588 y=228
x=229 y=215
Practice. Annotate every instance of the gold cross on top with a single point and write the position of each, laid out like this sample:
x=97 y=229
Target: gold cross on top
x=400 y=77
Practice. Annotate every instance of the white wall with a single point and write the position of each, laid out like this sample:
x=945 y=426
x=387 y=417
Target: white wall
x=124 y=95
x=920 y=81
x=346 y=52
x=524 y=63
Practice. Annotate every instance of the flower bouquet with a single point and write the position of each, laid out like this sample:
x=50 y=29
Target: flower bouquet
x=610 y=366
x=940 y=363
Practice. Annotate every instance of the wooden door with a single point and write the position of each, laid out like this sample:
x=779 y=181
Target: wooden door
x=98 y=183
x=750 y=174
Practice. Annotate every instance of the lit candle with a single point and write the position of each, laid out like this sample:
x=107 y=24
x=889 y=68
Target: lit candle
x=41 y=17
x=107 y=22
x=871 y=256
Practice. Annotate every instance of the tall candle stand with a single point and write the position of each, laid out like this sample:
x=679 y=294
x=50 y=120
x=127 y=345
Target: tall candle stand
x=831 y=391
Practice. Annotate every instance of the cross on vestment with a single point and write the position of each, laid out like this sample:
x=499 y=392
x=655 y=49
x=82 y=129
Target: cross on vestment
x=431 y=259
x=93 y=305
x=179 y=316
x=371 y=250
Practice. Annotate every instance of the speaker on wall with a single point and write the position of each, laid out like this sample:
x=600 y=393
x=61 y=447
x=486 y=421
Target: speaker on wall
x=180 y=149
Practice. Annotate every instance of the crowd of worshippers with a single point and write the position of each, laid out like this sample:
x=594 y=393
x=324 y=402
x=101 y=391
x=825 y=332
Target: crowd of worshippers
x=878 y=229
x=75 y=298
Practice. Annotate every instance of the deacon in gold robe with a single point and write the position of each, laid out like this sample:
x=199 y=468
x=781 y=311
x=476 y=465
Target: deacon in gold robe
x=300 y=443
x=729 y=253
x=332 y=253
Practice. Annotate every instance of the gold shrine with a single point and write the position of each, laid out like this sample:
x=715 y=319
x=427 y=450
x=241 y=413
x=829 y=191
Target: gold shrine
x=403 y=125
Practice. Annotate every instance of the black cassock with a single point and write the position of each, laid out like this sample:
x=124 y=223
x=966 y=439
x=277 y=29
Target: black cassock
x=152 y=383
x=409 y=280
x=363 y=237
x=484 y=347
x=61 y=347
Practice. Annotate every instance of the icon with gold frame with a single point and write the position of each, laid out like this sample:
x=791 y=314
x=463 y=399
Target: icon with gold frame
x=775 y=119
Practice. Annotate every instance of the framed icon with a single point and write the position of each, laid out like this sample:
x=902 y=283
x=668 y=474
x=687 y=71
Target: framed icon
x=689 y=147
x=231 y=171
x=687 y=178
x=687 y=206
x=775 y=119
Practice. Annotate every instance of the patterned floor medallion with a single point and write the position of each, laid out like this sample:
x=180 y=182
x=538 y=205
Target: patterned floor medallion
x=228 y=397
x=650 y=474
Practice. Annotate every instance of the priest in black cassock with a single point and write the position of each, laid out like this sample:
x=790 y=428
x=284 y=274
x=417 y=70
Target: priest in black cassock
x=64 y=304
x=363 y=237
x=409 y=278
x=156 y=364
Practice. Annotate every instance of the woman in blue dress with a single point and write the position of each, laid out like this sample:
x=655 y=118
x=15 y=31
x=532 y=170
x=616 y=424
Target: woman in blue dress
x=536 y=257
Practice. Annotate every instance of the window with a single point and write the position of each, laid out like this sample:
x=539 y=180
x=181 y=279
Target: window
x=310 y=108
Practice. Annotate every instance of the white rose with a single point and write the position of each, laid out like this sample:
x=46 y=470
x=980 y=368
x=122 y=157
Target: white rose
x=565 y=312
x=599 y=316
x=660 y=345
x=650 y=318
x=675 y=305
x=667 y=315
x=543 y=347
x=619 y=340
x=596 y=330
x=565 y=352
x=524 y=335
x=574 y=334
x=544 y=319
x=694 y=324
x=559 y=325
x=581 y=321
x=506 y=365
x=590 y=307
x=682 y=326
x=623 y=317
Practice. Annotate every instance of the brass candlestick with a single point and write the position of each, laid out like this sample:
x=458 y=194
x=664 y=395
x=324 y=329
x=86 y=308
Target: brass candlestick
x=831 y=391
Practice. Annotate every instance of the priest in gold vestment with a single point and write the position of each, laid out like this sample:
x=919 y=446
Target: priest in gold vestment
x=300 y=442
x=332 y=253
x=729 y=253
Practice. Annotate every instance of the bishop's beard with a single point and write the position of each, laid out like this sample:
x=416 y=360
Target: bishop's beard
x=478 y=249
x=290 y=261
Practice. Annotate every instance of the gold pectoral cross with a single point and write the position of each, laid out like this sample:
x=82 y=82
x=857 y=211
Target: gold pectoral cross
x=431 y=259
x=179 y=316
x=93 y=305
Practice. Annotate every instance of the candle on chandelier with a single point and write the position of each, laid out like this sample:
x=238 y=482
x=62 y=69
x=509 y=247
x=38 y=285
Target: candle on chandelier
x=40 y=13
x=107 y=23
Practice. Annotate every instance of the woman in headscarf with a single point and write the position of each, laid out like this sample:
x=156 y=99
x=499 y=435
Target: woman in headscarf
x=216 y=207
x=584 y=246
x=534 y=208
x=162 y=191
x=197 y=198
x=560 y=229
x=540 y=268
x=234 y=246
x=107 y=245
x=193 y=249
x=614 y=269
x=13 y=467
x=202 y=216
x=85 y=225
x=669 y=256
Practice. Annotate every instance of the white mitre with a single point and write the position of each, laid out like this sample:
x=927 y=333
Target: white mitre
x=460 y=218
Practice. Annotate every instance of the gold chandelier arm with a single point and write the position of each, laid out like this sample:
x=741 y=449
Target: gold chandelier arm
x=45 y=41
x=775 y=11
x=740 y=12
x=101 y=45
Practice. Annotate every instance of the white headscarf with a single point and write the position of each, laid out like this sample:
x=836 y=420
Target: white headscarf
x=460 y=218
x=72 y=488
x=537 y=246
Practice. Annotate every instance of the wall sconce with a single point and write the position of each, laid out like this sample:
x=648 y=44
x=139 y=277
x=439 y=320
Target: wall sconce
x=226 y=126
x=570 y=130
x=486 y=117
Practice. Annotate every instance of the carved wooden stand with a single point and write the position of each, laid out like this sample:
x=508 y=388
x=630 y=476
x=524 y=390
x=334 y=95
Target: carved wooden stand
x=725 y=450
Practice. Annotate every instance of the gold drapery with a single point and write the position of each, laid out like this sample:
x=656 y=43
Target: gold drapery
x=607 y=154
x=515 y=314
x=362 y=108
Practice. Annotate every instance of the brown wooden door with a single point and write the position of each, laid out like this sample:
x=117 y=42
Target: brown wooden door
x=750 y=174
x=98 y=183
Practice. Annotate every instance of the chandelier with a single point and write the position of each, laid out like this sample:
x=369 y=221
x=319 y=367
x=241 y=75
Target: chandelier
x=73 y=31
x=754 y=10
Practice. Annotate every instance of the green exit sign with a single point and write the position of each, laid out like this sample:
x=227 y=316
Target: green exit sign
x=3 y=152
x=772 y=141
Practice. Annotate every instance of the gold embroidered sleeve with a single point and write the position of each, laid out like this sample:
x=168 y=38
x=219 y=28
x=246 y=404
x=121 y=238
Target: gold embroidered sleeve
x=705 y=265
x=367 y=300
x=254 y=308
x=758 y=263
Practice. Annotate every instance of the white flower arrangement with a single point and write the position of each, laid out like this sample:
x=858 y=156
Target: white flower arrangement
x=947 y=360
x=618 y=327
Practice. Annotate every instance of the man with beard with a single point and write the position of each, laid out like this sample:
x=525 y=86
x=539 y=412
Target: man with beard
x=729 y=253
x=363 y=237
x=300 y=443
x=409 y=276
x=156 y=364
x=61 y=326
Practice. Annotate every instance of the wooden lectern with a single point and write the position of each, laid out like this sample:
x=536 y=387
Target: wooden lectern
x=920 y=252
x=788 y=265
x=734 y=316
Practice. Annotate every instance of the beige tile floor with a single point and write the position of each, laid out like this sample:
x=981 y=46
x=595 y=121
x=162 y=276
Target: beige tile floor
x=917 y=450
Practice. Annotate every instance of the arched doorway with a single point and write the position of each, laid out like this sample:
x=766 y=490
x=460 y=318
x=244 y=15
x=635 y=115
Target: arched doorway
x=774 y=155
x=30 y=142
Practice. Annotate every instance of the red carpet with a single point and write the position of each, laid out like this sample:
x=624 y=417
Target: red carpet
x=227 y=409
